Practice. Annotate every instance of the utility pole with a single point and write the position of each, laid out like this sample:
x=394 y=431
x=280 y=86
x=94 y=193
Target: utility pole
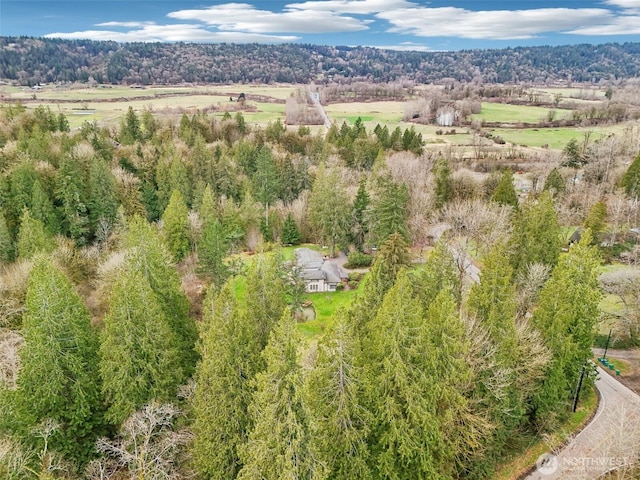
x=575 y=399
x=606 y=347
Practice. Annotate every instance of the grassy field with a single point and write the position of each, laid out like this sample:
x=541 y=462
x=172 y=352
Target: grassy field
x=555 y=138
x=504 y=112
x=325 y=304
x=371 y=113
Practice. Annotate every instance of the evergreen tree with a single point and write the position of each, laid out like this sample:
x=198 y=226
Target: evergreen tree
x=71 y=194
x=389 y=210
x=440 y=272
x=42 y=208
x=595 y=220
x=175 y=227
x=339 y=421
x=566 y=315
x=147 y=254
x=58 y=377
x=405 y=439
x=290 y=232
x=444 y=183
x=229 y=363
x=392 y=257
x=360 y=224
x=266 y=293
x=102 y=201
x=631 y=178
x=213 y=248
x=33 y=238
x=449 y=381
x=536 y=234
x=329 y=209
x=505 y=193
x=139 y=353
x=493 y=301
x=279 y=443
x=6 y=244
x=265 y=179
x=208 y=206
x=130 y=130
x=554 y=183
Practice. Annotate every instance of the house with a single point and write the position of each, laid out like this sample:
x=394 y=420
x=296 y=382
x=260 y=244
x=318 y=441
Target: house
x=320 y=275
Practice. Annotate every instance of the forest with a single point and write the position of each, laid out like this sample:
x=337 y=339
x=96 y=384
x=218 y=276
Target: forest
x=30 y=61
x=149 y=317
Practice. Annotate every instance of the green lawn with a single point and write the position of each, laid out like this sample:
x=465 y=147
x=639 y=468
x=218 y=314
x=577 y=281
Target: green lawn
x=325 y=304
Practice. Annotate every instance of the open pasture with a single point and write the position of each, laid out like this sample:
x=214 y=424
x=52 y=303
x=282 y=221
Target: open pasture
x=507 y=113
x=371 y=113
x=555 y=138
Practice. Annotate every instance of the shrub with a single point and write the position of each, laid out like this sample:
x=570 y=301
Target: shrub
x=358 y=259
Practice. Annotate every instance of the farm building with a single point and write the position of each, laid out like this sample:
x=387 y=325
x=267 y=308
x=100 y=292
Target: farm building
x=320 y=275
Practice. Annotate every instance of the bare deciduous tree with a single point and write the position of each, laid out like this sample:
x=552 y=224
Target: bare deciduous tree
x=147 y=448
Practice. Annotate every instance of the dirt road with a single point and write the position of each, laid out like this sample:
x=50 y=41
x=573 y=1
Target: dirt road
x=611 y=440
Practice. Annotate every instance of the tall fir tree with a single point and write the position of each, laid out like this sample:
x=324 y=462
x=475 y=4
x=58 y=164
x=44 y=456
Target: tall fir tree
x=566 y=316
x=359 y=221
x=329 y=209
x=266 y=293
x=536 y=234
x=175 y=227
x=505 y=193
x=339 y=420
x=392 y=257
x=230 y=361
x=443 y=181
x=279 y=442
x=213 y=248
x=33 y=237
x=71 y=194
x=139 y=353
x=631 y=179
x=389 y=210
x=147 y=254
x=102 y=201
x=6 y=243
x=554 y=183
x=290 y=232
x=59 y=377
x=405 y=439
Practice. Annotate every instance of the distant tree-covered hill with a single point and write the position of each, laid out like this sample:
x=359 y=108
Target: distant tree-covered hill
x=35 y=60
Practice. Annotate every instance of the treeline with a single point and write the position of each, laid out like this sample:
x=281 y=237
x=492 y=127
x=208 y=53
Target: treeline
x=114 y=364
x=30 y=61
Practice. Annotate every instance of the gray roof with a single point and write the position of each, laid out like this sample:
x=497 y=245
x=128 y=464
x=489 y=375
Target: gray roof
x=314 y=267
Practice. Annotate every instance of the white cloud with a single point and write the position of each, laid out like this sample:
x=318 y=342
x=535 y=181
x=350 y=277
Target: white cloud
x=627 y=25
x=624 y=3
x=124 y=24
x=362 y=7
x=244 y=17
x=405 y=47
x=496 y=25
x=173 y=33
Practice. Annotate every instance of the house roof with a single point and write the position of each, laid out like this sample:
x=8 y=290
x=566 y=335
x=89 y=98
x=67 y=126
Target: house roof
x=314 y=267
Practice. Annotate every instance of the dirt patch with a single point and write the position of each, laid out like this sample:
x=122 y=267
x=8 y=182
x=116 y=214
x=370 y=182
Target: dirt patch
x=630 y=378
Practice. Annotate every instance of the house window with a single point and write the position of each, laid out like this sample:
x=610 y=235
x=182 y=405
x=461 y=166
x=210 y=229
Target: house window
x=313 y=287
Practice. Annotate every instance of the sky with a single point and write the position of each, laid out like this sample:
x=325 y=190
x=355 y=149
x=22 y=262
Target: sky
x=394 y=24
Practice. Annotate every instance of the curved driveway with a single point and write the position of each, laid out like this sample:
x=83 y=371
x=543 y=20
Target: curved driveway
x=611 y=440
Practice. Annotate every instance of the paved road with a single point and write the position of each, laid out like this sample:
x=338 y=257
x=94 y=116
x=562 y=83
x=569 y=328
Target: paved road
x=611 y=440
x=319 y=108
